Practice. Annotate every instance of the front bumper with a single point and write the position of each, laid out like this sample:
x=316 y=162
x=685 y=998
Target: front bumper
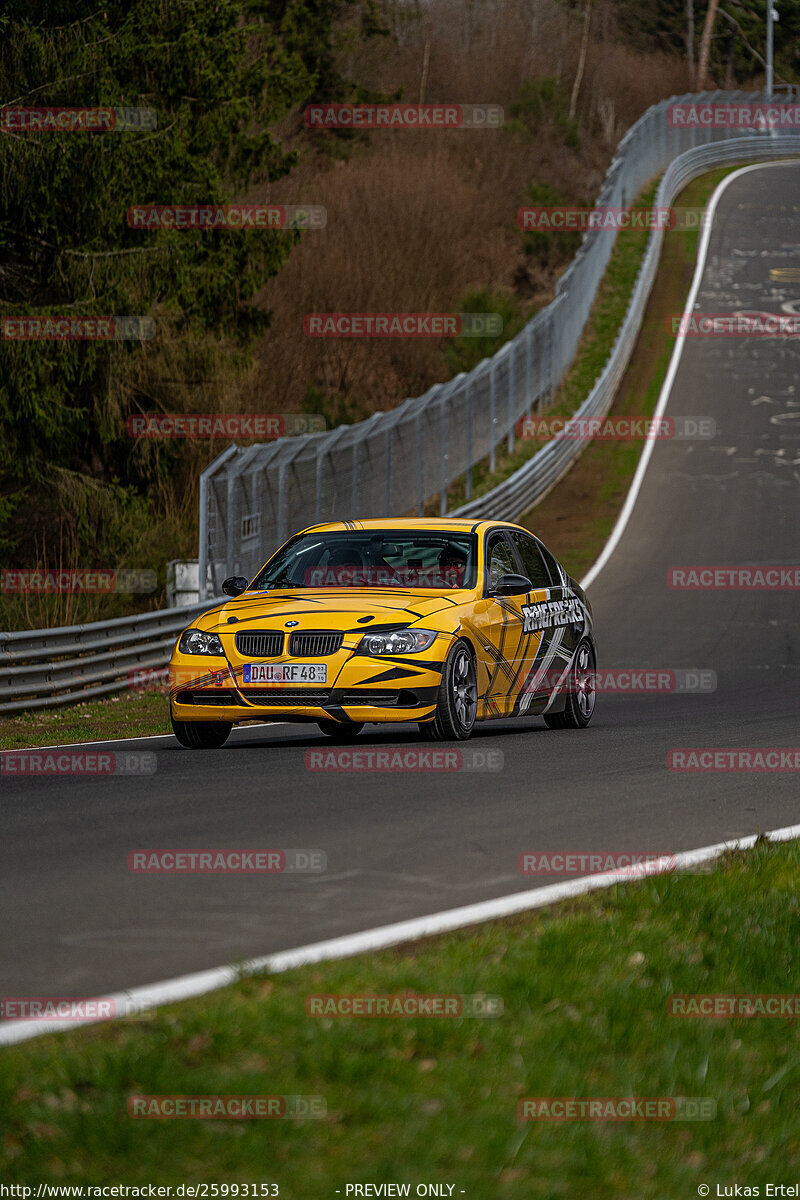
x=215 y=692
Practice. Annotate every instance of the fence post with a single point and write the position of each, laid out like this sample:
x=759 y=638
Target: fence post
x=389 y=432
x=528 y=372
x=202 y=543
x=547 y=373
x=354 y=501
x=283 y=502
x=468 y=434
x=230 y=525
x=420 y=467
x=318 y=482
x=443 y=452
x=511 y=357
x=207 y=490
x=492 y=419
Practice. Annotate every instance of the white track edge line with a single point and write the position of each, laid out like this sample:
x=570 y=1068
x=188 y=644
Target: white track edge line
x=633 y=492
x=185 y=987
x=145 y=737
x=669 y=379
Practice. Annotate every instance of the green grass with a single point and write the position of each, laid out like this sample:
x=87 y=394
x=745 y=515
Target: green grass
x=598 y=338
x=584 y=987
x=602 y=327
x=133 y=714
x=576 y=530
x=614 y=463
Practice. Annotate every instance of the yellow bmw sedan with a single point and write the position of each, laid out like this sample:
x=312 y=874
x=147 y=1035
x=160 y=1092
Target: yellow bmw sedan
x=437 y=622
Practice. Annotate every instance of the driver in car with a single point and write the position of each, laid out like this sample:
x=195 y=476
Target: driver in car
x=452 y=566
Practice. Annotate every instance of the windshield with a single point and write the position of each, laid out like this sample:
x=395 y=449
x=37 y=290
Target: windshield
x=373 y=559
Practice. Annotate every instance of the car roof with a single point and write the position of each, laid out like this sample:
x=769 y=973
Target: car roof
x=429 y=524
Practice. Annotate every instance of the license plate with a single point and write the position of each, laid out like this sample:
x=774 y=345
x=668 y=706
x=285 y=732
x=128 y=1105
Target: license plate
x=285 y=673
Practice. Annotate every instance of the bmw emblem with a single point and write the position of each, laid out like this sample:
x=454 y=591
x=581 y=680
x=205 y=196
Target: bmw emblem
x=291 y=624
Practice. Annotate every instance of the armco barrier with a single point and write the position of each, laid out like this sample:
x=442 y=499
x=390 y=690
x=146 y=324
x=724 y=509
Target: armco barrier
x=252 y=498
x=44 y=668
x=531 y=483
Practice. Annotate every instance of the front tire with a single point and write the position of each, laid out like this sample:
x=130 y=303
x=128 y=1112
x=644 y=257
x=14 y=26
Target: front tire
x=201 y=735
x=339 y=732
x=457 y=699
x=581 y=692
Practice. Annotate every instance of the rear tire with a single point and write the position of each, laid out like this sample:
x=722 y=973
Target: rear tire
x=339 y=732
x=457 y=699
x=581 y=692
x=201 y=735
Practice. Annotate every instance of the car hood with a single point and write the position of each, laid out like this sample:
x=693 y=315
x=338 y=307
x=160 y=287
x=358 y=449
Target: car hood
x=332 y=608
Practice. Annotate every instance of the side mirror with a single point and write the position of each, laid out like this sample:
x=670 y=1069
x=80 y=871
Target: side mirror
x=234 y=585
x=511 y=585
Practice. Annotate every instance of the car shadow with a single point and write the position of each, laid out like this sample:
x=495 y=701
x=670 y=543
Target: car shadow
x=373 y=736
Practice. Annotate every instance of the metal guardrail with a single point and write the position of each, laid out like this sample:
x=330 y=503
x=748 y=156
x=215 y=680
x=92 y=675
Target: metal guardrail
x=531 y=483
x=54 y=667
x=252 y=498
x=47 y=668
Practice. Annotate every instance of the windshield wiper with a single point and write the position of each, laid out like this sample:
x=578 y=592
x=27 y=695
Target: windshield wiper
x=283 y=580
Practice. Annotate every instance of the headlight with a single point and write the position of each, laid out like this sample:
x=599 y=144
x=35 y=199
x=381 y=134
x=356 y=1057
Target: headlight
x=401 y=641
x=194 y=641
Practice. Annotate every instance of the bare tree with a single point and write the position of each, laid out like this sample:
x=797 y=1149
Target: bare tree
x=573 y=100
x=426 y=58
x=705 y=43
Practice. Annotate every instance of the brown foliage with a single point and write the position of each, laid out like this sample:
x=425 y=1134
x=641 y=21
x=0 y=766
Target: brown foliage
x=419 y=220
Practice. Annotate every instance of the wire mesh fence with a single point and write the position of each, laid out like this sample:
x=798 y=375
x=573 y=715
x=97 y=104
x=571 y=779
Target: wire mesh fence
x=253 y=498
x=398 y=462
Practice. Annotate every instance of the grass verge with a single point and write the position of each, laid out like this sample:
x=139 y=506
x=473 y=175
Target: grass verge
x=602 y=327
x=584 y=987
x=133 y=714
x=577 y=516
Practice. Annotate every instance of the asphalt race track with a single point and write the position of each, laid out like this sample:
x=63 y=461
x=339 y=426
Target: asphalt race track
x=76 y=922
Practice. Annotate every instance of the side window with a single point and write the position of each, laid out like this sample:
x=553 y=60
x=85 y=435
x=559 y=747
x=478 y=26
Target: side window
x=532 y=561
x=555 y=570
x=499 y=559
